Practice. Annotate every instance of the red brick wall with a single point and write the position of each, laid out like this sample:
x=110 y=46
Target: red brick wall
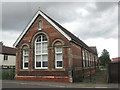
x=89 y=71
x=76 y=55
x=42 y=73
x=116 y=59
x=47 y=28
x=52 y=34
x=44 y=79
x=77 y=61
x=71 y=55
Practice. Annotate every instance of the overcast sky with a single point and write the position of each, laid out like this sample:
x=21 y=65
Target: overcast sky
x=95 y=23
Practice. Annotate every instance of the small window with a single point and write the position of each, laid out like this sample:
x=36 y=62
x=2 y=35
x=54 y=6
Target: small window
x=83 y=58
x=25 y=59
x=90 y=60
x=58 y=57
x=5 y=57
x=40 y=24
x=87 y=59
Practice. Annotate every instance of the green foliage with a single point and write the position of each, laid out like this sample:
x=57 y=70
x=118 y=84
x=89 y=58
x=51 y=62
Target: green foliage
x=1 y=43
x=8 y=74
x=104 y=58
x=5 y=75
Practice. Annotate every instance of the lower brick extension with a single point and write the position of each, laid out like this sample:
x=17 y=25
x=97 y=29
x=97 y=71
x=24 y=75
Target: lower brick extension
x=43 y=79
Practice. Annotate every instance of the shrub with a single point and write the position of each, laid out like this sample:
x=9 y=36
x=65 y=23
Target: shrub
x=5 y=75
x=8 y=74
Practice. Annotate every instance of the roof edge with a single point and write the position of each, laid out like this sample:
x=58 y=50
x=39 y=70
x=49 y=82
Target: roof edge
x=39 y=12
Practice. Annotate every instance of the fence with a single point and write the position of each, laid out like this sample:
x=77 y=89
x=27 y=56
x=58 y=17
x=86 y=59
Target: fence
x=114 y=74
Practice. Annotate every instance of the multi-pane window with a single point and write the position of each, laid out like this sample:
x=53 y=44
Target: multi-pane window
x=25 y=59
x=96 y=61
x=89 y=59
x=5 y=57
x=92 y=60
x=83 y=52
x=58 y=57
x=41 y=52
x=86 y=59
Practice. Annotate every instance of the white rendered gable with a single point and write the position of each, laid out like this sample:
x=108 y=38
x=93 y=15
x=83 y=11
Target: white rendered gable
x=42 y=14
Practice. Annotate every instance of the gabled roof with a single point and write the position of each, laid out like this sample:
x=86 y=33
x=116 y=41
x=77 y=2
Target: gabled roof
x=46 y=18
x=72 y=36
x=93 y=48
x=7 y=50
x=56 y=25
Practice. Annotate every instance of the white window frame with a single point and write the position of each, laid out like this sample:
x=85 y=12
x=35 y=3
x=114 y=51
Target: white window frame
x=56 y=56
x=27 y=55
x=83 y=53
x=87 y=59
x=93 y=60
x=41 y=54
x=96 y=61
x=90 y=60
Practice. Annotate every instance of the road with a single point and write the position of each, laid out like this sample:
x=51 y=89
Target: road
x=14 y=84
x=39 y=84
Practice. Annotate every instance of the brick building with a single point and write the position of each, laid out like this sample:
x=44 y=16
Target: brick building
x=46 y=51
x=116 y=59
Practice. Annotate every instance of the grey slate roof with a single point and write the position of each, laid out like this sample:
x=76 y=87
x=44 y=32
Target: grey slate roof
x=93 y=48
x=73 y=37
x=7 y=50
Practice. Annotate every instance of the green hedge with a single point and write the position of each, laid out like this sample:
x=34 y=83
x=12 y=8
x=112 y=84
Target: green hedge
x=8 y=74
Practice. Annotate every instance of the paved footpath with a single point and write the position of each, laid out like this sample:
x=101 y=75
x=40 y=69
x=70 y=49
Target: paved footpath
x=39 y=84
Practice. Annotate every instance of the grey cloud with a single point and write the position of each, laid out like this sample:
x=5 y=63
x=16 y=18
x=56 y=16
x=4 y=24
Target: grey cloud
x=21 y=13
x=104 y=26
x=17 y=15
x=102 y=6
x=119 y=19
x=0 y=16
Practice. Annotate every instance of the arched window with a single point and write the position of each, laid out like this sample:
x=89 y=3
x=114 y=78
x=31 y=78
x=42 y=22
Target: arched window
x=41 y=52
x=25 y=57
x=58 y=54
x=58 y=57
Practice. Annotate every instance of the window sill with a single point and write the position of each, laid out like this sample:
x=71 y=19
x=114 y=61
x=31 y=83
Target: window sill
x=40 y=68
x=58 y=69
x=24 y=70
x=63 y=69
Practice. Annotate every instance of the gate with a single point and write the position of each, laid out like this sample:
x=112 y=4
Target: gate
x=114 y=72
